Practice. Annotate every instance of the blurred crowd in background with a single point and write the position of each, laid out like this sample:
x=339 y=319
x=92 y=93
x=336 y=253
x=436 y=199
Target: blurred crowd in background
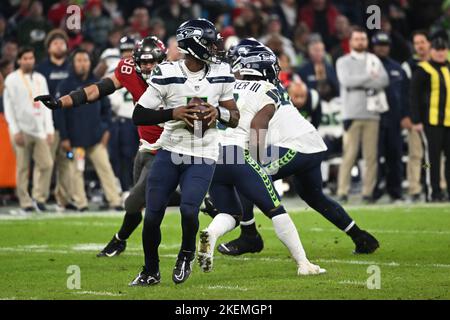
x=308 y=36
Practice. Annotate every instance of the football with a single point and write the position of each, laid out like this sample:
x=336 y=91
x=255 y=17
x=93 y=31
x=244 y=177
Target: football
x=201 y=125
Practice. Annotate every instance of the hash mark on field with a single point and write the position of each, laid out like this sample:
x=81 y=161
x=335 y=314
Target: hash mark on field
x=352 y=282
x=98 y=293
x=363 y=262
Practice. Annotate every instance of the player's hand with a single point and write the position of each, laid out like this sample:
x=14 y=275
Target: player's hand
x=19 y=139
x=49 y=101
x=186 y=114
x=211 y=113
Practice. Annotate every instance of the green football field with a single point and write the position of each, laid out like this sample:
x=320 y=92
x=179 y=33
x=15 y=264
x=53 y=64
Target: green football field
x=36 y=254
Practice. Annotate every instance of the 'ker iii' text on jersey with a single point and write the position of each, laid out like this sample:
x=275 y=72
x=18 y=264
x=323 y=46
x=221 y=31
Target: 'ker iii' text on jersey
x=172 y=85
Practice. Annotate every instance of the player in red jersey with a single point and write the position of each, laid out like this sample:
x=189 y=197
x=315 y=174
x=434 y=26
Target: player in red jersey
x=130 y=73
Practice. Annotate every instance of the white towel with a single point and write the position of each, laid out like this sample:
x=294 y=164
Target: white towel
x=145 y=146
x=377 y=101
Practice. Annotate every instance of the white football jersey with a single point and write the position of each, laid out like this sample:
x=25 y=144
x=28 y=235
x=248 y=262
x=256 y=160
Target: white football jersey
x=288 y=129
x=251 y=97
x=122 y=103
x=172 y=85
x=111 y=56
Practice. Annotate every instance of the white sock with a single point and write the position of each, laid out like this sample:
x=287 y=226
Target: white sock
x=221 y=224
x=287 y=233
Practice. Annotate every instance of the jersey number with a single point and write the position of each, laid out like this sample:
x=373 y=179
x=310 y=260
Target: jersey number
x=127 y=66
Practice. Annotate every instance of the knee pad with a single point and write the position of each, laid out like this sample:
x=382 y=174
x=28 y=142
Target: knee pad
x=276 y=212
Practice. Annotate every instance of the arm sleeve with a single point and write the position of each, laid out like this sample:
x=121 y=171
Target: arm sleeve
x=9 y=109
x=350 y=80
x=147 y=117
x=417 y=94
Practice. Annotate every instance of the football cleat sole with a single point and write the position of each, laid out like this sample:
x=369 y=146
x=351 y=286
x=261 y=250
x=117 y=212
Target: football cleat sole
x=204 y=256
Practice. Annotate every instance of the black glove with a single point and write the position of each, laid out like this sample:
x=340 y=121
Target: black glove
x=49 y=101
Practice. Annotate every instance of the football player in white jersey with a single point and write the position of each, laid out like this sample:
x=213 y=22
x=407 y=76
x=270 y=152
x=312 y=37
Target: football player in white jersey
x=111 y=57
x=238 y=171
x=296 y=149
x=183 y=158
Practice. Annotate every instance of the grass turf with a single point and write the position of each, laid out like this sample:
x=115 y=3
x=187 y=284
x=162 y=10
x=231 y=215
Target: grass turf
x=414 y=259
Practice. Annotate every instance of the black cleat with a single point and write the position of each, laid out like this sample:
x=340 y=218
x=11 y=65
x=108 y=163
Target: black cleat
x=113 y=248
x=183 y=268
x=209 y=208
x=365 y=243
x=145 y=279
x=40 y=206
x=241 y=245
x=70 y=207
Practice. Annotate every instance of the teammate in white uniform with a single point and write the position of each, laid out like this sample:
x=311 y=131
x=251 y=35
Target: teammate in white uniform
x=296 y=149
x=257 y=100
x=183 y=158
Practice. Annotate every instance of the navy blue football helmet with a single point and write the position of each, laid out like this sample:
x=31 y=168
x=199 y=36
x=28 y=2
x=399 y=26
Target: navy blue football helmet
x=236 y=51
x=259 y=61
x=200 y=39
x=127 y=43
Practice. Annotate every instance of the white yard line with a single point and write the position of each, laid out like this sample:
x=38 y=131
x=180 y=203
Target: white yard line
x=98 y=293
x=300 y=207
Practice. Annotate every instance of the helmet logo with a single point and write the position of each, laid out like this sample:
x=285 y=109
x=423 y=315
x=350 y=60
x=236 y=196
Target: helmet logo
x=189 y=32
x=146 y=56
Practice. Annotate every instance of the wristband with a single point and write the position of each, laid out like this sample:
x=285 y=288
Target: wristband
x=224 y=114
x=78 y=97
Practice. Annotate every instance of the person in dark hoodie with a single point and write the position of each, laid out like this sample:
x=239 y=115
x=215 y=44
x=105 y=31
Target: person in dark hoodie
x=84 y=131
x=390 y=138
x=55 y=69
